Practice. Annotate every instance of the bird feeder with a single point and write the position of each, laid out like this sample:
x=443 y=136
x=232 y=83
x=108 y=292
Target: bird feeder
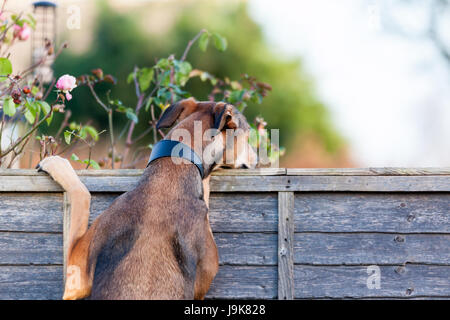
x=44 y=38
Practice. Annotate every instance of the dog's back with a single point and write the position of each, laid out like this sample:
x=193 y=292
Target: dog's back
x=147 y=247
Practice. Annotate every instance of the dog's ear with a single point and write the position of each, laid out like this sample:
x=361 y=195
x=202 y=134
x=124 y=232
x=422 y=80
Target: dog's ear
x=223 y=116
x=179 y=110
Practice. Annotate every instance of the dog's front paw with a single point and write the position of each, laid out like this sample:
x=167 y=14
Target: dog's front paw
x=53 y=164
x=60 y=170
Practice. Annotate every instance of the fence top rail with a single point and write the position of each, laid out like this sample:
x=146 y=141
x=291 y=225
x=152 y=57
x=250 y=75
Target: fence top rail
x=260 y=180
x=378 y=171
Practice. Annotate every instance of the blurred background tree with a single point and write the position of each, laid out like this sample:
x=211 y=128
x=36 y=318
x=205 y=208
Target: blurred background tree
x=120 y=42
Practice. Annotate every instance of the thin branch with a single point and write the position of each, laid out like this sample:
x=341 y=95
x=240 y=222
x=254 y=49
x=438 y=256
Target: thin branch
x=111 y=135
x=99 y=101
x=190 y=43
x=65 y=122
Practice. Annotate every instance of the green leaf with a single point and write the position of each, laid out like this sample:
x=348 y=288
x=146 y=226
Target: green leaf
x=92 y=163
x=74 y=157
x=32 y=20
x=5 y=68
x=9 y=107
x=74 y=126
x=236 y=96
x=130 y=78
x=203 y=41
x=67 y=137
x=29 y=116
x=145 y=77
x=163 y=64
x=147 y=105
x=45 y=107
x=131 y=115
x=34 y=90
x=220 y=42
x=185 y=68
x=92 y=132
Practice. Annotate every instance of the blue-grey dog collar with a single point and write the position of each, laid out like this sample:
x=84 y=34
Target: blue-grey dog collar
x=165 y=148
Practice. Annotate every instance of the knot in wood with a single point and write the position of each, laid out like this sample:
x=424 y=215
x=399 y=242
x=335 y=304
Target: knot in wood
x=400 y=270
x=283 y=251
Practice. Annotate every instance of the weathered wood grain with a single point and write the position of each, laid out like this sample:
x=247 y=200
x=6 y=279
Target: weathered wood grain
x=439 y=183
x=377 y=171
x=351 y=281
x=372 y=212
x=371 y=248
x=66 y=228
x=380 y=171
x=46 y=282
x=241 y=183
x=285 y=245
x=31 y=283
x=240 y=282
x=30 y=248
x=36 y=212
x=247 y=248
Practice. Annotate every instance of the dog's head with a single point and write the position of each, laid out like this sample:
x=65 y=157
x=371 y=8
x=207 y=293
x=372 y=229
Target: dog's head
x=216 y=131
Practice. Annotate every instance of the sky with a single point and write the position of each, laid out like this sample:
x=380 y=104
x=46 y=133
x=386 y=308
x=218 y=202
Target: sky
x=389 y=95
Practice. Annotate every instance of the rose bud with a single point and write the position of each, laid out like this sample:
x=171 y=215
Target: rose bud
x=26 y=90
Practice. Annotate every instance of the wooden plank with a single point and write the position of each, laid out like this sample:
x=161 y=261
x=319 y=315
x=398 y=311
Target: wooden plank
x=366 y=183
x=41 y=183
x=247 y=248
x=30 y=248
x=30 y=283
x=380 y=171
x=372 y=212
x=249 y=183
x=37 y=212
x=262 y=171
x=371 y=248
x=66 y=228
x=250 y=172
x=285 y=245
x=351 y=281
x=242 y=282
x=45 y=282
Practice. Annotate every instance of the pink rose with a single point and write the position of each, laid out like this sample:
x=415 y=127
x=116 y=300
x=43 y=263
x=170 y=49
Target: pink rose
x=66 y=83
x=23 y=33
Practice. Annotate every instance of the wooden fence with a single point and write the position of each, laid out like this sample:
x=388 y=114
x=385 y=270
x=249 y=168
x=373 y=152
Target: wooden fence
x=281 y=233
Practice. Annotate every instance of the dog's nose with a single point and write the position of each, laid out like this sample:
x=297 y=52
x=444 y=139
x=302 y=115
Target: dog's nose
x=244 y=166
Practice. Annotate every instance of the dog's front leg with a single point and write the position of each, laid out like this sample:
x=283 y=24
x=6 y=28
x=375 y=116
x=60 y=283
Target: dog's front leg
x=207 y=266
x=78 y=282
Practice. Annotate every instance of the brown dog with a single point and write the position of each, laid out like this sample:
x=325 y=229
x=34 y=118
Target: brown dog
x=153 y=242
